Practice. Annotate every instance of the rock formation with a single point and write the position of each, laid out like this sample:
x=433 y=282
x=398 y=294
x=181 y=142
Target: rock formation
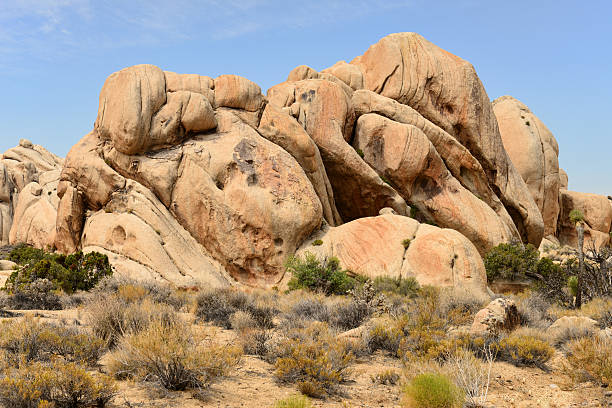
x=28 y=195
x=534 y=152
x=199 y=180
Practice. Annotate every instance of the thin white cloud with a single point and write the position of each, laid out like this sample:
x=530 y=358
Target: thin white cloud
x=48 y=29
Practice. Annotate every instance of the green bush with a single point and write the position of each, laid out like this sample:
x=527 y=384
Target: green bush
x=576 y=216
x=406 y=287
x=69 y=273
x=511 y=261
x=432 y=391
x=317 y=242
x=326 y=276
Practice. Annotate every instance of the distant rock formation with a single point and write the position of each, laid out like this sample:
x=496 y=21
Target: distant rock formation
x=199 y=180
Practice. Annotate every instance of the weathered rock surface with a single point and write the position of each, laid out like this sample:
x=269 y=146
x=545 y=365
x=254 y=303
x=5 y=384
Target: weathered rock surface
x=597 y=217
x=499 y=315
x=377 y=246
x=445 y=90
x=534 y=152
x=402 y=154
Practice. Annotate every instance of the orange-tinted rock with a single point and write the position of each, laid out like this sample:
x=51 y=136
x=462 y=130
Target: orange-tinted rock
x=597 y=217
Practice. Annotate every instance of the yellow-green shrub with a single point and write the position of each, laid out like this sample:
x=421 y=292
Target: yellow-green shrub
x=171 y=356
x=314 y=359
x=590 y=358
x=432 y=391
x=522 y=349
x=294 y=401
x=54 y=385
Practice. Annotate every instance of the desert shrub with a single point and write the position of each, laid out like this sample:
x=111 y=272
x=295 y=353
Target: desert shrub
x=314 y=359
x=524 y=349
x=133 y=290
x=322 y=276
x=599 y=309
x=590 y=359
x=471 y=374
x=317 y=242
x=172 y=357
x=406 y=243
x=218 y=306
x=460 y=304
x=293 y=401
x=59 y=385
x=383 y=335
x=39 y=294
x=406 y=287
x=30 y=340
x=111 y=316
x=511 y=261
x=432 y=391
x=385 y=377
x=304 y=309
x=255 y=342
x=70 y=273
x=533 y=309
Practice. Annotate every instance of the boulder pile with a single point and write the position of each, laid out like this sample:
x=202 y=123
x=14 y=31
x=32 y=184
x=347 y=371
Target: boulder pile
x=397 y=163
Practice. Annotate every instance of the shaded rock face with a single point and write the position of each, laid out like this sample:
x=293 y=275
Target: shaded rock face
x=29 y=177
x=534 y=152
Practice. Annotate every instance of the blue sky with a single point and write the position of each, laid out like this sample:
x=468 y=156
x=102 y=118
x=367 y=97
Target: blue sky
x=555 y=56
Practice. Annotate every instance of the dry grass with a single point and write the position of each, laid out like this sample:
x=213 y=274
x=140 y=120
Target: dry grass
x=172 y=357
x=590 y=359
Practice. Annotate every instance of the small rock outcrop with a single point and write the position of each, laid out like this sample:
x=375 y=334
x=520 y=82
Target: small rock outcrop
x=597 y=218
x=29 y=177
x=499 y=315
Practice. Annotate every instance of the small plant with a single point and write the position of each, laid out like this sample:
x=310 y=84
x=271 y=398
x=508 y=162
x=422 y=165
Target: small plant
x=406 y=243
x=294 y=401
x=385 y=180
x=572 y=284
x=172 y=357
x=384 y=335
x=386 y=377
x=324 y=276
x=576 y=216
x=314 y=359
x=56 y=385
x=317 y=242
x=360 y=153
x=432 y=391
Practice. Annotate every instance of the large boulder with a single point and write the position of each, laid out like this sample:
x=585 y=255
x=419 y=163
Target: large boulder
x=597 y=217
x=398 y=246
x=446 y=90
x=534 y=152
